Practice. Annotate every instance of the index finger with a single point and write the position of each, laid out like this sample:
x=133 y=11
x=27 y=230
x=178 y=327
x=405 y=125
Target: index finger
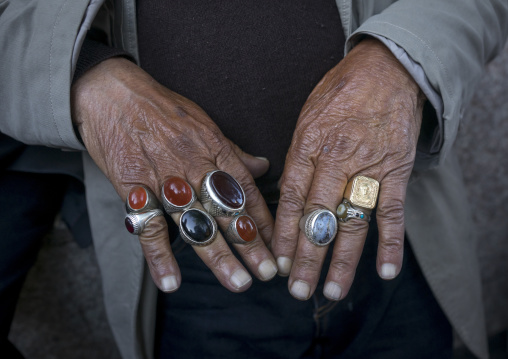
x=295 y=186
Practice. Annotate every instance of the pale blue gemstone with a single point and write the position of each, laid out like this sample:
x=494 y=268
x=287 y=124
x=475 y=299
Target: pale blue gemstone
x=324 y=228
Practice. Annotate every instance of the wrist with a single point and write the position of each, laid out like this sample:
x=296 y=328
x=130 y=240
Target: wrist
x=372 y=59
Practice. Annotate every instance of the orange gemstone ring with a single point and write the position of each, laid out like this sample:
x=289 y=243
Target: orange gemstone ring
x=140 y=199
x=177 y=195
x=241 y=230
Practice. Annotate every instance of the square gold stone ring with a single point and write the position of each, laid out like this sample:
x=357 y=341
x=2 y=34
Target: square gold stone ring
x=362 y=191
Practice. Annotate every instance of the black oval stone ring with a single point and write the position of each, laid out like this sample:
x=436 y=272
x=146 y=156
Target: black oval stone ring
x=197 y=227
x=319 y=226
x=222 y=195
x=136 y=222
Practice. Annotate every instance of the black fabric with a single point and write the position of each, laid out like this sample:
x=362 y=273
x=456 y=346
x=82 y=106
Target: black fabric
x=94 y=52
x=9 y=150
x=249 y=64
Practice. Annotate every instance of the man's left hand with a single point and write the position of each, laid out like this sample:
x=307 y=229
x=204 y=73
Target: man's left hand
x=363 y=118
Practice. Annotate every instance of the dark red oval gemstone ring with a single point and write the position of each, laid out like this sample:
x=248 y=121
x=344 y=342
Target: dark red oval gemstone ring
x=227 y=190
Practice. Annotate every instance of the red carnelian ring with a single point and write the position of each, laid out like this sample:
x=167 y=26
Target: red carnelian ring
x=177 y=195
x=140 y=199
x=241 y=230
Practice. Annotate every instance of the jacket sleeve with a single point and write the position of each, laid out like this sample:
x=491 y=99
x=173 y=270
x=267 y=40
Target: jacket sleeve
x=39 y=47
x=451 y=40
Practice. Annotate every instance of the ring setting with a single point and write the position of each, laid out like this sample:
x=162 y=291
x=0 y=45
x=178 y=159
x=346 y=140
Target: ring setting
x=362 y=192
x=141 y=199
x=136 y=222
x=346 y=211
x=197 y=227
x=222 y=195
x=319 y=226
x=177 y=195
x=241 y=230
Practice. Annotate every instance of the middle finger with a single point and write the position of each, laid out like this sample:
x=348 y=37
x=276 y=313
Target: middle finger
x=325 y=193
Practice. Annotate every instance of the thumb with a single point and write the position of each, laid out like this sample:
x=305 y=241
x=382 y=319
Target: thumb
x=257 y=166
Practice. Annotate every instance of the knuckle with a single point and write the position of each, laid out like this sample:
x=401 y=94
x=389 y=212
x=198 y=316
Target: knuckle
x=156 y=253
x=217 y=143
x=155 y=229
x=391 y=245
x=342 y=266
x=251 y=191
x=180 y=143
x=290 y=201
x=220 y=259
x=309 y=264
x=132 y=169
x=251 y=249
x=158 y=259
x=354 y=228
x=224 y=152
x=392 y=211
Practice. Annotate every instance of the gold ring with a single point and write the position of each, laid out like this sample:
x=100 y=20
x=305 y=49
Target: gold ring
x=362 y=191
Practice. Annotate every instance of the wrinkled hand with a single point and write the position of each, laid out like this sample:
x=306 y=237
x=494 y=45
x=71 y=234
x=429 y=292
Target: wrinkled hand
x=140 y=133
x=363 y=118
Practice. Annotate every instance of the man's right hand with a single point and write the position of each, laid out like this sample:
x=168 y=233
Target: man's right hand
x=140 y=133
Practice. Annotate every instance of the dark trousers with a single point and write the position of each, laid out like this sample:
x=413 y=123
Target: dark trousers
x=378 y=319
x=28 y=206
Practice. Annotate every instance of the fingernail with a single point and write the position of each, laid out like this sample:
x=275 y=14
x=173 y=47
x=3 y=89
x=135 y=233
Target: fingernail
x=267 y=269
x=262 y=158
x=169 y=283
x=284 y=264
x=332 y=291
x=300 y=290
x=388 y=271
x=240 y=278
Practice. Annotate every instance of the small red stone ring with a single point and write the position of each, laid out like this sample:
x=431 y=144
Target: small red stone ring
x=140 y=199
x=177 y=195
x=241 y=230
x=222 y=195
x=136 y=222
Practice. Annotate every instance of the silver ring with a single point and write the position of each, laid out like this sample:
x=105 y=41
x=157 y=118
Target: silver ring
x=222 y=195
x=197 y=227
x=136 y=222
x=177 y=195
x=241 y=230
x=319 y=226
x=141 y=199
x=346 y=211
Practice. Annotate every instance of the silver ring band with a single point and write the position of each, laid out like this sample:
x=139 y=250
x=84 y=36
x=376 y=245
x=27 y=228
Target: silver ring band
x=218 y=200
x=197 y=227
x=136 y=222
x=319 y=226
x=346 y=211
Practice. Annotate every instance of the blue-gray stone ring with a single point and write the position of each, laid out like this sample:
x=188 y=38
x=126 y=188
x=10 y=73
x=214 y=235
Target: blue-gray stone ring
x=346 y=211
x=319 y=226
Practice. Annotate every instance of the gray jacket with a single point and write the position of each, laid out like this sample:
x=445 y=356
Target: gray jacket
x=451 y=40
